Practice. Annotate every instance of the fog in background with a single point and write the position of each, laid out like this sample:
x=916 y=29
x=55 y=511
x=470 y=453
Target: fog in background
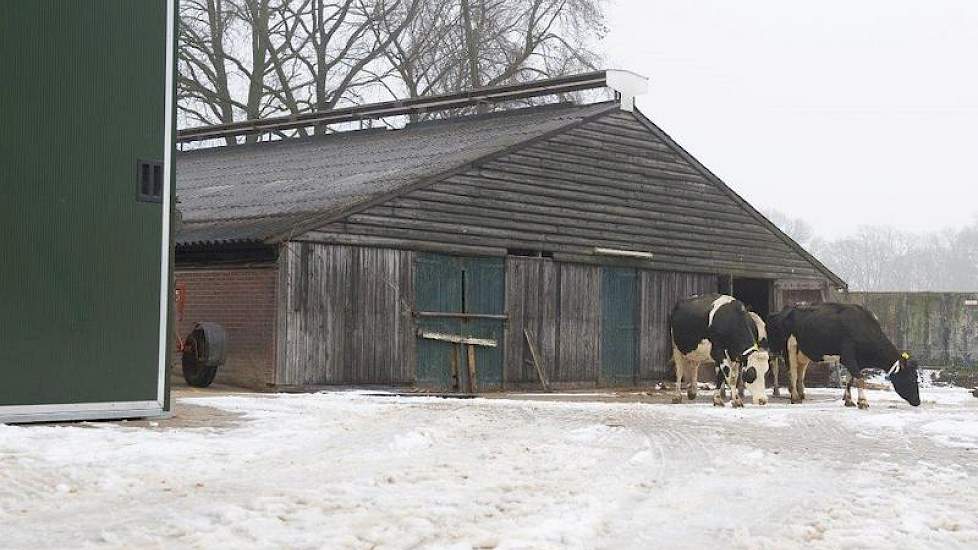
x=837 y=112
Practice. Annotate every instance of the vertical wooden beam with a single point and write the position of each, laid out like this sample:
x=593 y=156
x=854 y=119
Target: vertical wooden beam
x=472 y=371
x=456 y=383
x=536 y=360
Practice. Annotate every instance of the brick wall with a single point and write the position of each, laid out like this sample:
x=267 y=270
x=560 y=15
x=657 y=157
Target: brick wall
x=242 y=300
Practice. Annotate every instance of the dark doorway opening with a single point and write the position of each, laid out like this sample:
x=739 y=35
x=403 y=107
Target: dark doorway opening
x=755 y=293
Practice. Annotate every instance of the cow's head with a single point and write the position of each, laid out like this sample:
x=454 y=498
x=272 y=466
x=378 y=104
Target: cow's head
x=903 y=376
x=755 y=364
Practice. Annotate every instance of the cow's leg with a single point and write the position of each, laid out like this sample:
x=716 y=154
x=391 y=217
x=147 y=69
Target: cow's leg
x=692 y=379
x=775 y=367
x=847 y=396
x=793 y=369
x=736 y=386
x=848 y=359
x=718 y=392
x=861 y=385
x=802 y=371
x=680 y=362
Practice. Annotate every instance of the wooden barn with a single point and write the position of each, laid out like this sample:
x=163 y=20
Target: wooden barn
x=490 y=251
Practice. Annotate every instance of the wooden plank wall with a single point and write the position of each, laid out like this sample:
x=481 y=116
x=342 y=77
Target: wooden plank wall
x=659 y=291
x=348 y=316
x=560 y=304
x=578 y=323
x=531 y=302
x=608 y=183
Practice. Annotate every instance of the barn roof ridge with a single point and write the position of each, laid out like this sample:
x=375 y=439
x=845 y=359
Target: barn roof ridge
x=361 y=133
x=625 y=84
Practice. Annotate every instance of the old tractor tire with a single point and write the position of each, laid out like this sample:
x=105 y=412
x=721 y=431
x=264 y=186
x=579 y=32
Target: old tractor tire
x=204 y=350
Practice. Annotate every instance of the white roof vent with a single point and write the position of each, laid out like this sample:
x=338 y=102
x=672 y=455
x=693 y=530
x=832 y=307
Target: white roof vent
x=626 y=85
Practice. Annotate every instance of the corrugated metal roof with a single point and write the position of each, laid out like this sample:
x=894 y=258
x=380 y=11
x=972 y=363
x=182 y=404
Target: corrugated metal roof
x=257 y=192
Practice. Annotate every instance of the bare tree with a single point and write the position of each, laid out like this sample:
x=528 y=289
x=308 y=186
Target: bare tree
x=248 y=59
x=204 y=94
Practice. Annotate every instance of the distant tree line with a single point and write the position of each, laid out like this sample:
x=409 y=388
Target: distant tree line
x=886 y=258
x=249 y=59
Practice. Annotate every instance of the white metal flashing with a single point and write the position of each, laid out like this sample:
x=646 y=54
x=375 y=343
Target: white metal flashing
x=13 y=414
x=624 y=253
x=168 y=179
x=627 y=84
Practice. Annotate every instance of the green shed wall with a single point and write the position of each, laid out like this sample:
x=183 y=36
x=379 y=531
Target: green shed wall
x=84 y=97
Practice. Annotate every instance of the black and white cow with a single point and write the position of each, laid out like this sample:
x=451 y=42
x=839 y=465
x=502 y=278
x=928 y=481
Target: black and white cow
x=844 y=332
x=718 y=328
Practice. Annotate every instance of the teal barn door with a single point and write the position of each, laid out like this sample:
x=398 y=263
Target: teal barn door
x=484 y=289
x=438 y=289
x=463 y=297
x=619 y=326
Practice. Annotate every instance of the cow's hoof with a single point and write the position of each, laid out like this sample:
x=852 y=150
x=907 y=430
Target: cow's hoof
x=850 y=404
x=691 y=395
x=677 y=400
x=863 y=404
x=761 y=402
x=795 y=401
x=718 y=402
x=737 y=404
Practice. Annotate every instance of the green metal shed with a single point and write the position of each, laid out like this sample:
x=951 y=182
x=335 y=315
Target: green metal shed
x=87 y=111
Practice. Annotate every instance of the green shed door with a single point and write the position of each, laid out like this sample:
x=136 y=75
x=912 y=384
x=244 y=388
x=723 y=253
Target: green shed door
x=619 y=325
x=84 y=108
x=485 y=293
x=438 y=289
x=447 y=287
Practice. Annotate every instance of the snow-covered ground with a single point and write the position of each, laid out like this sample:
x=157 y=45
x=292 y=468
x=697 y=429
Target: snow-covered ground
x=357 y=471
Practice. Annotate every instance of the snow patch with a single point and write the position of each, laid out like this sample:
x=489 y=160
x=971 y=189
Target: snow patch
x=954 y=432
x=363 y=471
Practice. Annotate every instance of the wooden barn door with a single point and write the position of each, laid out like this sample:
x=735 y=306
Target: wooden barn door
x=459 y=297
x=619 y=326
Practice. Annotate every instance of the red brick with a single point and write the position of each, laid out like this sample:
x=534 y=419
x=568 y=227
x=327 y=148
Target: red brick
x=243 y=301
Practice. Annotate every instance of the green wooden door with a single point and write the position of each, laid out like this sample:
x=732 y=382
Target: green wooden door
x=438 y=288
x=485 y=285
x=447 y=287
x=619 y=326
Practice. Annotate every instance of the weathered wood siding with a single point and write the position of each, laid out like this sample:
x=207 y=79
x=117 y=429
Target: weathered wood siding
x=560 y=305
x=531 y=302
x=347 y=316
x=940 y=329
x=578 y=323
x=611 y=182
x=659 y=291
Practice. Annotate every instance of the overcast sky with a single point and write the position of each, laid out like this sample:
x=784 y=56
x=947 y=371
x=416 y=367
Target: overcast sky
x=841 y=112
